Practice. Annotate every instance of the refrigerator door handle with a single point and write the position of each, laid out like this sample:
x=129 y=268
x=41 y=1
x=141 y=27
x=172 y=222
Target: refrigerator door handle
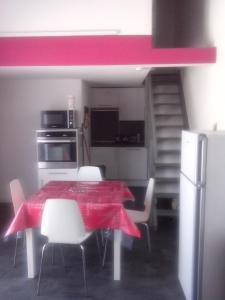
x=200 y=216
x=200 y=243
x=201 y=181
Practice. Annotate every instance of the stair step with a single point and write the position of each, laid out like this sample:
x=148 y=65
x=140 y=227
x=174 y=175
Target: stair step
x=167 y=212
x=168 y=126
x=170 y=123
x=165 y=78
x=168 y=109
x=167 y=165
x=171 y=151
x=166 y=89
x=175 y=98
x=168 y=114
x=165 y=187
x=167 y=195
x=167 y=179
x=168 y=138
x=167 y=103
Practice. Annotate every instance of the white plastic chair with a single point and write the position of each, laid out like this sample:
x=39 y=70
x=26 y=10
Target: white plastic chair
x=18 y=197
x=140 y=217
x=62 y=223
x=89 y=173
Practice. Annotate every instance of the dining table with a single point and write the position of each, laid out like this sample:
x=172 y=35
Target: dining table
x=101 y=206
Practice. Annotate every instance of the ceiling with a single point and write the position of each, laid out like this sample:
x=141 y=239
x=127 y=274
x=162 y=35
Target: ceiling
x=132 y=75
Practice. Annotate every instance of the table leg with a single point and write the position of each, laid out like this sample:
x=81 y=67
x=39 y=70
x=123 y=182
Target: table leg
x=31 y=253
x=117 y=254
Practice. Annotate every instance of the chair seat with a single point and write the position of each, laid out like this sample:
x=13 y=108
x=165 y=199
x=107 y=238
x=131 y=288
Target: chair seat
x=71 y=241
x=137 y=216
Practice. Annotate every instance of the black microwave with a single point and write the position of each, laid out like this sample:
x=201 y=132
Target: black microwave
x=58 y=119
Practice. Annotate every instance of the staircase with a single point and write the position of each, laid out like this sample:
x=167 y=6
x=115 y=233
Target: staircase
x=169 y=118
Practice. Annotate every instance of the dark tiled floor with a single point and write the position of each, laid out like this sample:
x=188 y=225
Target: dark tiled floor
x=144 y=276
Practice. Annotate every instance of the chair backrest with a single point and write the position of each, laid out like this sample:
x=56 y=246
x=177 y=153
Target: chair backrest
x=17 y=194
x=62 y=221
x=149 y=195
x=89 y=173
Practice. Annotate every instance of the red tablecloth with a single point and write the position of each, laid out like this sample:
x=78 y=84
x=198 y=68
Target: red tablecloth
x=101 y=205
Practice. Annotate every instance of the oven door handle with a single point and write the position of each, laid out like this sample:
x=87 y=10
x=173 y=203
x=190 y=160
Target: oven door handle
x=57 y=141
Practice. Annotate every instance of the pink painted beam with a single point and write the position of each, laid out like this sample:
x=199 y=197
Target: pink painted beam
x=95 y=50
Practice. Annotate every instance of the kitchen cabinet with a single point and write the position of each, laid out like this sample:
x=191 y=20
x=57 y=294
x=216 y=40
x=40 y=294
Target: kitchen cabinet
x=123 y=163
x=104 y=97
x=107 y=156
x=131 y=104
x=132 y=163
x=46 y=175
x=130 y=101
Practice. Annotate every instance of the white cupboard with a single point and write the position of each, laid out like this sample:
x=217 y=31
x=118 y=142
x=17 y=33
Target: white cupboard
x=46 y=175
x=122 y=163
x=104 y=97
x=132 y=163
x=130 y=101
x=108 y=157
x=131 y=104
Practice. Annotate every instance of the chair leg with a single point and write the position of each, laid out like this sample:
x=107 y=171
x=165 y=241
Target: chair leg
x=62 y=255
x=15 y=252
x=102 y=237
x=148 y=236
x=53 y=254
x=84 y=267
x=98 y=245
x=40 y=271
x=105 y=251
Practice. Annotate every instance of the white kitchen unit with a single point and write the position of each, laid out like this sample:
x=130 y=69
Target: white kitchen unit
x=130 y=101
x=46 y=175
x=104 y=97
x=131 y=104
x=123 y=163
x=107 y=156
x=132 y=163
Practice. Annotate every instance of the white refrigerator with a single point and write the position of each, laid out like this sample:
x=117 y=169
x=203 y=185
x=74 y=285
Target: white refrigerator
x=201 y=255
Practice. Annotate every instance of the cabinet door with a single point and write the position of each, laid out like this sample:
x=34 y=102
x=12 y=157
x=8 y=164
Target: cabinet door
x=46 y=175
x=104 y=97
x=131 y=104
x=108 y=157
x=133 y=163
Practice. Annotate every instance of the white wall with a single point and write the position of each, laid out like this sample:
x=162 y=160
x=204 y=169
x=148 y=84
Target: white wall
x=205 y=86
x=127 y=16
x=21 y=101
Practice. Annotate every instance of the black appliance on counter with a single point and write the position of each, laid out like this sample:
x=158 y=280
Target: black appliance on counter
x=58 y=119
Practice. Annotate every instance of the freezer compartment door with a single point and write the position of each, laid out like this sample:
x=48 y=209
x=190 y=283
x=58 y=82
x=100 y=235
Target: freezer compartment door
x=187 y=237
x=191 y=155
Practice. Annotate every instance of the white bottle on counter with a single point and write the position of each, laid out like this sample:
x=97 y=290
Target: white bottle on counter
x=71 y=102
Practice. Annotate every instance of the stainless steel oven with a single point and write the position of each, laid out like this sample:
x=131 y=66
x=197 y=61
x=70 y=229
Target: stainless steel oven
x=57 y=148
